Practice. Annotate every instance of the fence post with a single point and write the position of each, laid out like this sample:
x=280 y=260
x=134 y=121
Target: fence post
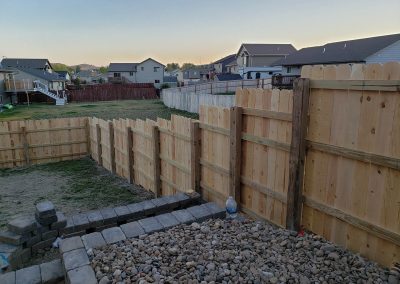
x=235 y=152
x=195 y=156
x=242 y=84
x=156 y=161
x=129 y=153
x=99 y=148
x=26 y=145
x=211 y=88
x=112 y=146
x=226 y=87
x=301 y=93
x=262 y=83
x=89 y=141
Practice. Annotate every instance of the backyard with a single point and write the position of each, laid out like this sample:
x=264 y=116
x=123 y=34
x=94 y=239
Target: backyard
x=134 y=109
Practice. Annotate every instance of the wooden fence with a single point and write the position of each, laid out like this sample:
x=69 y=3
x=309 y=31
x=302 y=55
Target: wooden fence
x=42 y=141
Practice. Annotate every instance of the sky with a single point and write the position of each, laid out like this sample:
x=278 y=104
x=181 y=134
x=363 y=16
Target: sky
x=199 y=31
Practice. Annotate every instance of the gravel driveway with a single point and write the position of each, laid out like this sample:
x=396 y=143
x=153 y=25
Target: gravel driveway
x=232 y=252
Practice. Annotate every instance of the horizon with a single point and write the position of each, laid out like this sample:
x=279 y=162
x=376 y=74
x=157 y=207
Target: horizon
x=181 y=31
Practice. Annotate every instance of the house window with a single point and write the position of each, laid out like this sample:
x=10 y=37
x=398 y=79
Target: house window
x=270 y=73
x=142 y=68
x=117 y=75
x=249 y=75
x=130 y=73
x=156 y=81
x=156 y=69
x=288 y=70
x=258 y=75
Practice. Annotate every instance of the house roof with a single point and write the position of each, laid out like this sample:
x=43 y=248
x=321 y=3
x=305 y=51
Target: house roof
x=228 y=77
x=170 y=79
x=152 y=60
x=267 y=49
x=191 y=74
x=63 y=74
x=232 y=63
x=42 y=74
x=122 y=67
x=339 y=52
x=36 y=63
x=226 y=59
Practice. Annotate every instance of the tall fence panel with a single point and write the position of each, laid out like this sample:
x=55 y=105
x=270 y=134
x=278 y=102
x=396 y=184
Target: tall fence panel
x=352 y=173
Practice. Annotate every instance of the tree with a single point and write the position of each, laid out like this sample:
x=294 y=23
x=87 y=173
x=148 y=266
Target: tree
x=103 y=69
x=186 y=66
x=77 y=69
x=172 y=66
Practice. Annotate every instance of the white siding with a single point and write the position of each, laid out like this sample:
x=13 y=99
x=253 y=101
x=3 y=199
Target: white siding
x=147 y=75
x=390 y=53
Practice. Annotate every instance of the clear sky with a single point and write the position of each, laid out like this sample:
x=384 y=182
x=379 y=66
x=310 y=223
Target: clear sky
x=198 y=31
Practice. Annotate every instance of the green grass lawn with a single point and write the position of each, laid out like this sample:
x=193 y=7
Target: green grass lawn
x=133 y=109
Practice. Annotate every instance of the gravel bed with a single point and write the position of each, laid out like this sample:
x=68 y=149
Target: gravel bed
x=226 y=251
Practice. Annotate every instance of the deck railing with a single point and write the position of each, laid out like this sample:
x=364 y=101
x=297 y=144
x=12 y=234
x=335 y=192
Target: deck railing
x=12 y=85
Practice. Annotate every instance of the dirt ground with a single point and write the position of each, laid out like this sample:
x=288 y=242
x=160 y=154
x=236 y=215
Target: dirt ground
x=73 y=186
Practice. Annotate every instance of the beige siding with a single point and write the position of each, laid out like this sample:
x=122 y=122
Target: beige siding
x=148 y=75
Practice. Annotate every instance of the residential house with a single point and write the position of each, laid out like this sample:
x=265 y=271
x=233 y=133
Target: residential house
x=191 y=76
x=227 y=77
x=147 y=71
x=170 y=81
x=220 y=65
x=378 y=49
x=65 y=75
x=255 y=60
x=232 y=67
x=5 y=98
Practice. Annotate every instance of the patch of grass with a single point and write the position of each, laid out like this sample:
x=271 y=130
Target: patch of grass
x=88 y=106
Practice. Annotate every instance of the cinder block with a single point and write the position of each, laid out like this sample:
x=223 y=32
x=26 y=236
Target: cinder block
x=11 y=238
x=33 y=240
x=132 y=229
x=7 y=278
x=75 y=258
x=26 y=255
x=95 y=218
x=123 y=213
x=69 y=244
x=84 y=274
x=45 y=209
x=183 y=216
x=217 y=212
x=75 y=234
x=109 y=216
x=161 y=205
x=149 y=207
x=28 y=275
x=184 y=199
x=113 y=235
x=61 y=221
x=81 y=222
x=99 y=229
x=201 y=213
x=42 y=245
x=50 y=235
x=69 y=228
x=22 y=225
x=93 y=240
x=47 y=220
x=172 y=201
x=150 y=225
x=52 y=272
x=137 y=211
x=167 y=220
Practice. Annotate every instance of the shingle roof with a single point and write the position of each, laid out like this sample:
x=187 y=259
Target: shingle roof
x=25 y=62
x=122 y=67
x=228 y=77
x=42 y=74
x=191 y=74
x=232 y=63
x=268 y=49
x=339 y=52
x=170 y=79
x=226 y=59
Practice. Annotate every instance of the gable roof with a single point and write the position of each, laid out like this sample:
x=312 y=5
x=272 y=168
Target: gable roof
x=257 y=49
x=232 y=63
x=36 y=63
x=228 y=77
x=225 y=60
x=152 y=60
x=170 y=79
x=42 y=74
x=339 y=52
x=63 y=74
x=122 y=67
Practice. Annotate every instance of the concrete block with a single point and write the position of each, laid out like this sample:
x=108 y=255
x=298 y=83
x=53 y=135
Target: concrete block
x=33 y=240
x=60 y=223
x=81 y=222
x=132 y=229
x=69 y=228
x=113 y=235
x=95 y=218
x=29 y=275
x=109 y=216
x=84 y=274
x=22 y=225
x=201 y=213
x=99 y=229
x=50 y=235
x=149 y=207
x=183 y=216
x=93 y=240
x=40 y=229
x=45 y=209
x=11 y=238
x=167 y=220
x=75 y=258
x=26 y=255
x=172 y=201
x=218 y=212
x=123 y=213
x=137 y=211
x=184 y=199
x=150 y=225
x=69 y=244
x=15 y=261
x=7 y=278
x=161 y=204
x=74 y=234
x=52 y=272
x=45 y=221
x=42 y=245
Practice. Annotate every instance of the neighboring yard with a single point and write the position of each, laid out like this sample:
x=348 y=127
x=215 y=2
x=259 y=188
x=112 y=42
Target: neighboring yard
x=133 y=109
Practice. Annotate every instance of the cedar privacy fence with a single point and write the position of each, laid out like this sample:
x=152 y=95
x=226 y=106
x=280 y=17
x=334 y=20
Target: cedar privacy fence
x=325 y=156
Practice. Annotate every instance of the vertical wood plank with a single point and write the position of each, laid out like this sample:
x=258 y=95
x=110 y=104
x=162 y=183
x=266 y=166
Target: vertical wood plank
x=129 y=153
x=156 y=161
x=99 y=148
x=301 y=91
x=112 y=146
x=195 y=156
x=235 y=152
x=26 y=145
x=87 y=131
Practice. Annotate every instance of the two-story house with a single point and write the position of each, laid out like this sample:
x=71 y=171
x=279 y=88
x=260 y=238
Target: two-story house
x=254 y=61
x=147 y=71
x=220 y=65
